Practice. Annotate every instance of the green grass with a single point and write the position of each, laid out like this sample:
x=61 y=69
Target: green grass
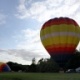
x=39 y=76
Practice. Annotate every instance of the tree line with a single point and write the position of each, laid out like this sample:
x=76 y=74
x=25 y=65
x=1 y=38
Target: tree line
x=46 y=65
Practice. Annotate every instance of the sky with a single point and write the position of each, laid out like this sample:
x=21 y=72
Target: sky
x=20 y=24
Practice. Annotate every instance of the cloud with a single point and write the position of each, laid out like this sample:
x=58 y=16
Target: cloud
x=31 y=41
x=10 y=55
x=2 y=18
x=46 y=9
x=21 y=56
x=29 y=45
x=27 y=37
x=14 y=56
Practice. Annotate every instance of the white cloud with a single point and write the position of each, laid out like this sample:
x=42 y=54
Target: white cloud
x=46 y=9
x=31 y=41
x=29 y=45
x=12 y=55
x=27 y=38
x=2 y=18
x=15 y=56
x=21 y=56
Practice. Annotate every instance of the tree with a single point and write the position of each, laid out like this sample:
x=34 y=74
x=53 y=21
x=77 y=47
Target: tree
x=33 y=67
x=33 y=61
x=47 y=65
x=74 y=62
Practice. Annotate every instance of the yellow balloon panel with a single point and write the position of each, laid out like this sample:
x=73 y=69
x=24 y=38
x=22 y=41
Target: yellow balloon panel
x=60 y=40
x=59 y=28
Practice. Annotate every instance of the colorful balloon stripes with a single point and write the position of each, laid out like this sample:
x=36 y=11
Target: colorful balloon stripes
x=4 y=67
x=60 y=37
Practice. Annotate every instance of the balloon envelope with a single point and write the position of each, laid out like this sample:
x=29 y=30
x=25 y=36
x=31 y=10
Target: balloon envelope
x=4 y=67
x=60 y=37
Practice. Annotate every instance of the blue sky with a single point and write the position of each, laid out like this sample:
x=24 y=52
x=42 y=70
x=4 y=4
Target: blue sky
x=11 y=25
x=20 y=24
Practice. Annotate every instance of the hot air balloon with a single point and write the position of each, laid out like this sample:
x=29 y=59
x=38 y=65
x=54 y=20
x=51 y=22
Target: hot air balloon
x=4 y=67
x=60 y=37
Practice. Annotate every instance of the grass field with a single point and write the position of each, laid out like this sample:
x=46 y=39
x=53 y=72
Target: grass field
x=39 y=76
